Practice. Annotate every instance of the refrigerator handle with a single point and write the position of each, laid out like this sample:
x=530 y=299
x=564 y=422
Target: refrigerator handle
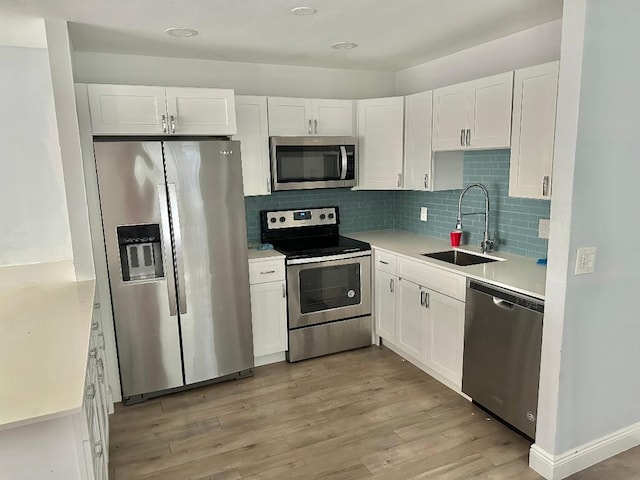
x=166 y=247
x=177 y=242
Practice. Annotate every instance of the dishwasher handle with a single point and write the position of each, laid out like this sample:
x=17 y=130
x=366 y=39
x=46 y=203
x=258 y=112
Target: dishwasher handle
x=507 y=299
x=498 y=302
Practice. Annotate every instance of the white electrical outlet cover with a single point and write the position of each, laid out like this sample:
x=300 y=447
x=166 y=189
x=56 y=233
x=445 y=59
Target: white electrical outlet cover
x=423 y=214
x=585 y=260
x=543 y=228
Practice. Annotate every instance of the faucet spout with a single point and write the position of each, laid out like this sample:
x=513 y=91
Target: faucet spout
x=486 y=244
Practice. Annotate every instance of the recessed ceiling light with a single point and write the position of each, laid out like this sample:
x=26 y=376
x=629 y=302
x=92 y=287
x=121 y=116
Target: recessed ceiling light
x=181 y=32
x=344 y=45
x=303 y=11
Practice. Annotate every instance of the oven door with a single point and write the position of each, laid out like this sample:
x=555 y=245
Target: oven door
x=299 y=163
x=328 y=290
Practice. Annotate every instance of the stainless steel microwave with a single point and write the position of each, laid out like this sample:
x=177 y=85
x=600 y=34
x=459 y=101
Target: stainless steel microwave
x=299 y=163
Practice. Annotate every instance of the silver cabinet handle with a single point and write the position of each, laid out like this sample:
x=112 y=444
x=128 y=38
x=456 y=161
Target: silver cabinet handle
x=96 y=305
x=468 y=137
x=267 y=272
x=91 y=392
x=391 y=285
x=310 y=130
x=343 y=156
x=284 y=291
x=399 y=180
x=315 y=125
x=101 y=342
x=462 y=137
x=383 y=262
x=173 y=123
x=166 y=247
x=92 y=353
x=95 y=325
x=100 y=366
x=98 y=450
x=177 y=242
x=164 y=123
x=423 y=300
x=426 y=299
x=545 y=186
x=268 y=186
x=426 y=179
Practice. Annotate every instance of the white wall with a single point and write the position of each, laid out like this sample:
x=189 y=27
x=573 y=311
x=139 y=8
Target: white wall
x=530 y=47
x=245 y=78
x=597 y=386
x=34 y=226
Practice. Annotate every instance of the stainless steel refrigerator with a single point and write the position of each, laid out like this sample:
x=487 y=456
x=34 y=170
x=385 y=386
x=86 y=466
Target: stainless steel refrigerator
x=175 y=237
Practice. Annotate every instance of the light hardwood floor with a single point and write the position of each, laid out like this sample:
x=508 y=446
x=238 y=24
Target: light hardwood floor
x=364 y=414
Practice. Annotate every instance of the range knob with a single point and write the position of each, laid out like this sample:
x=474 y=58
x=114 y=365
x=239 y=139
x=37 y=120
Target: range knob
x=322 y=216
x=282 y=219
x=272 y=219
x=331 y=215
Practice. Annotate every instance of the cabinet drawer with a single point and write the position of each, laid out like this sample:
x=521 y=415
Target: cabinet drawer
x=266 y=271
x=385 y=261
x=447 y=283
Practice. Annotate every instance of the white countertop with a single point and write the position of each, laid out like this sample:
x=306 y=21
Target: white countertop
x=257 y=255
x=45 y=328
x=517 y=273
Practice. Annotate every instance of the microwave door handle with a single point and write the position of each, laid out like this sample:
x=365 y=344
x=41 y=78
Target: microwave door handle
x=343 y=155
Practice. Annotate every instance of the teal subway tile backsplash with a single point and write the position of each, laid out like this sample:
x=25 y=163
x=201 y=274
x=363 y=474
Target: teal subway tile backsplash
x=513 y=221
x=359 y=210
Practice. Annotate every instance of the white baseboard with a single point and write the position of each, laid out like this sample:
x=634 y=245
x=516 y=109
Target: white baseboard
x=271 y=358
x=557 y=467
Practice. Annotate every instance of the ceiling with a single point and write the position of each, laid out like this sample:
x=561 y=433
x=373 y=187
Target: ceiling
x=391 y=34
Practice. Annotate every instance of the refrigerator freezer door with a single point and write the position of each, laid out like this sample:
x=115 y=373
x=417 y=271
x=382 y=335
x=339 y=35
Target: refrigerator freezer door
x=133 y=194
x=206 y=198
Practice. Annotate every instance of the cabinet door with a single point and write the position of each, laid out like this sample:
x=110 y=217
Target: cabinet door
x=490 y=111
x=269 y=318
x=444 y=336
x=290 y=116
x=535 y=93
x=380 y=141
x=385 y=305
x=126 y=109
x=201 y=111
x=332 y=117
x=450 y=107
x=417 y=143
x=410 y=318
x=253 y=134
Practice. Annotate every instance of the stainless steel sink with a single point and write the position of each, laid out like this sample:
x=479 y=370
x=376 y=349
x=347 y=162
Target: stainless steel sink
x=458 y=257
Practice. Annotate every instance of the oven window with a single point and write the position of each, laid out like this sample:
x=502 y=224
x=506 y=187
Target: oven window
x=329 y=287
x=307 y=163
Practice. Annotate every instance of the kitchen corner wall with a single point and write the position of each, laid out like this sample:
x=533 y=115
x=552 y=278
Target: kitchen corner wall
x=513 y=221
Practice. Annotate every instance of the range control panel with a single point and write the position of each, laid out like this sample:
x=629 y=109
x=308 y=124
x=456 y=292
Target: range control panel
x=309 y=217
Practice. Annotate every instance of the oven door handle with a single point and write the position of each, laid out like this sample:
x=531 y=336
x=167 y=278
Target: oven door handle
x=343 y=155
x=329 y=258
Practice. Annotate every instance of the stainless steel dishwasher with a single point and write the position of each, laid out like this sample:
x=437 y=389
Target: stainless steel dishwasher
x=501 y=362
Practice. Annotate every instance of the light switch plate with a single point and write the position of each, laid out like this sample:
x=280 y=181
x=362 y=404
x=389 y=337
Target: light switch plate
x=423 y=214
x=543 y=228
x=585 y=260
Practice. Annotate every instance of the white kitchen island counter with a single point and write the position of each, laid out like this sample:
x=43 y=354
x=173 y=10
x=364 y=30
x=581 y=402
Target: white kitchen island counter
x=517 y=273
x=45 y=328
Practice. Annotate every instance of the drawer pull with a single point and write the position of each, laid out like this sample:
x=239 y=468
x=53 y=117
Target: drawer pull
x=383 y=262
x=267 y=272
x=91 y=392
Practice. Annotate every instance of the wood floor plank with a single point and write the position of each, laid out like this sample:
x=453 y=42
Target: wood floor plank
x=358 y=415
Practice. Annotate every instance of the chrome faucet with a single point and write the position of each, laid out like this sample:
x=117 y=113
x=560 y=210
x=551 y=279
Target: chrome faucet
x=486 y=244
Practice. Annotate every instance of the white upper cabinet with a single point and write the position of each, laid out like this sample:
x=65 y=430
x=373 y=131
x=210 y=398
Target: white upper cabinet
x=533 y=131
x=201 y=111
x=417 y=141
x=380 y=142
x=144 y=110
x=253 y=134
x=306 y=116
x=126 y=109
x=473 y=115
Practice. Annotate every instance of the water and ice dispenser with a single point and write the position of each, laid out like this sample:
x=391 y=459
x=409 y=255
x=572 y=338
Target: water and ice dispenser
x=140 y=252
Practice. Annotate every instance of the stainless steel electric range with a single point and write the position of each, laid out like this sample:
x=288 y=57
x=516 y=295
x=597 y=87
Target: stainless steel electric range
x=328 y=281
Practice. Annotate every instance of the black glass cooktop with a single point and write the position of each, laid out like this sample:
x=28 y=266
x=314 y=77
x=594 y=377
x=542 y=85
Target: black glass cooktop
x=319 y=246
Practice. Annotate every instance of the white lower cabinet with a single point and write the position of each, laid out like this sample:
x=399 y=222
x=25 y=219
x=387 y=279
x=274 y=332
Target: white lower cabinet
x=416 y=320
x=268 y=310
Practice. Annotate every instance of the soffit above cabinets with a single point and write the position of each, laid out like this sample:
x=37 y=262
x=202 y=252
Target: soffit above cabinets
x=391 y=35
